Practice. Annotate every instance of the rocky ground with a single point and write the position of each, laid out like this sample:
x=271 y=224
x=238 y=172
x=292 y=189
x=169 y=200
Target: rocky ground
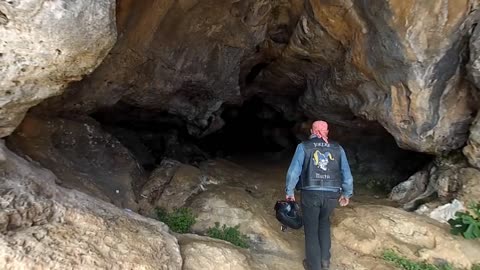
x=153 y=72
x=45 y=226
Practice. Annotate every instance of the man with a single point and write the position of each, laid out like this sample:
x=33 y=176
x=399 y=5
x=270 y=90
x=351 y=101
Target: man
x=320 y=170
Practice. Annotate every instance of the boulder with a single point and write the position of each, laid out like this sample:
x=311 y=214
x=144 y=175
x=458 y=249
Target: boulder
x=82 y=156
x=131 y=140
x=44 y=45
x=45 y=226
x=373 y=229
x=234 y=206
x=470 y=186
x=473 y=65
x=210 y=254
x=411 y=189
x=246 y=198
x=441 y=178
x=472 y=149
x=170 y=186
x=156 y=184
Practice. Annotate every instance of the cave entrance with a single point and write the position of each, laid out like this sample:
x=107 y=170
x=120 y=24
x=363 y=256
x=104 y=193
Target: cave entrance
x=255 y=128
x=257 y=135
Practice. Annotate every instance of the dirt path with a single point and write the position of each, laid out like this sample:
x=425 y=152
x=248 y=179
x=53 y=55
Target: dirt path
x=273 y=172
x=268 y=177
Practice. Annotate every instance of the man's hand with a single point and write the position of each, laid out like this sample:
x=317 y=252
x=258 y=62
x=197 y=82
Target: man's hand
x=344 y=201
x=290 y=198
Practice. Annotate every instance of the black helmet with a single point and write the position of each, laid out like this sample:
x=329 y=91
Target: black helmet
x=287 y=212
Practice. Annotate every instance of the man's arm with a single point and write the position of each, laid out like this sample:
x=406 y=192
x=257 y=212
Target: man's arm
x=295 y=170
x=347 y=179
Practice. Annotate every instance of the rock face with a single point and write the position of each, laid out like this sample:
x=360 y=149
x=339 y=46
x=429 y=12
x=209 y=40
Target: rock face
x=131 y=140
x=152 y=191
x=380 y=61
x=210 y=254
x=170 y=186
x=228 y=196
x=82 y=156
x=348 y=62
x=232 y=206
x=375 y=159
x=192 y=80
x=44 y=45
x=377 y=60
x=472 y=150
x=470 y=191
x=444 y=177
x=473 y=65
x=360 y=232
x=44 y=226
x=372 y=229
x=409 y=191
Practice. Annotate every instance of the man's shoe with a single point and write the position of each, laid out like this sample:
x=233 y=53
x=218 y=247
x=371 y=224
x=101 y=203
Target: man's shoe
x=325 y=265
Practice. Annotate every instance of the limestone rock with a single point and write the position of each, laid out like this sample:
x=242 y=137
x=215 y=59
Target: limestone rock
x=134 y=143
x=372 y=229
x=44 y=45
x=82 y=156
x=225 y=172
x=360 y=233
x=382 y=61
x=346 y=62
x=473 y=66
x=148 y=69
x=186 y=182
x=211 y=254
x=44 y=226
x=246 y=198
x=470 y=186
x=233 y=206
x=156 y=184
x=170 y=186
x=410 y=189
x=472 y=150
x=442 y=177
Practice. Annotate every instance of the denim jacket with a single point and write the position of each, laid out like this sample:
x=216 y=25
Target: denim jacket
x=295 y=170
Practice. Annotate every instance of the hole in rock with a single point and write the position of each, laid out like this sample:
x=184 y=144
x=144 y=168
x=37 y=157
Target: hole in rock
x=261 y=138
x=201 y=104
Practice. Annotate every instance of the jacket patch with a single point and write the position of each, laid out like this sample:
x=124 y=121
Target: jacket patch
x=321 y=159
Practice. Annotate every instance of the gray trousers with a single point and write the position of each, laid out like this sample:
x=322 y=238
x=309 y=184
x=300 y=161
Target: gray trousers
x=317 y=206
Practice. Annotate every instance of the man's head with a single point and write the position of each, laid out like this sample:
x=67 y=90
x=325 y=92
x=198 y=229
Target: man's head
x=320 y=129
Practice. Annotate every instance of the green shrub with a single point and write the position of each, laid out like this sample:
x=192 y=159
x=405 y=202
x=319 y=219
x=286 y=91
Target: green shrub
x=179 y=221
x=229 y=234
x=467 y=224
x=476 y=267
x=406 y=264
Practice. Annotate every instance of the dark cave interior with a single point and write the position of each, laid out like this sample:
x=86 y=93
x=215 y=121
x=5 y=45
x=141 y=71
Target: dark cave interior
x=257 y=130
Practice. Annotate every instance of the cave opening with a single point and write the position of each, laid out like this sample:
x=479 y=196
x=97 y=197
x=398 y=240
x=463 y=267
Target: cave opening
x=112 y=109
x=257 y=133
